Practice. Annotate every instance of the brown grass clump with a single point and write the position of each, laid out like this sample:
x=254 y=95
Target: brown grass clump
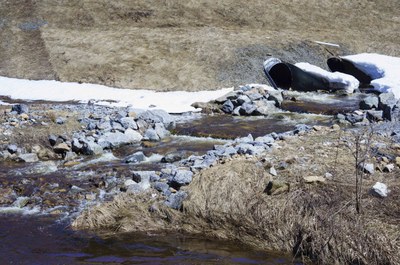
x=317 y=221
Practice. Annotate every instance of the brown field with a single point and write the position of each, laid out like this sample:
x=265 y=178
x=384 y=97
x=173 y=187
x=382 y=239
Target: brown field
x=189 y=45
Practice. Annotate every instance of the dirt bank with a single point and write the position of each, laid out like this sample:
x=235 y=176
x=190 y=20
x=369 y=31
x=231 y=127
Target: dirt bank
x=170 y=45
x=317 y=220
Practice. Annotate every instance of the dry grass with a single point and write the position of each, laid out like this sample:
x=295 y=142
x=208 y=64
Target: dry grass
x=191 y=45
x=316 y=221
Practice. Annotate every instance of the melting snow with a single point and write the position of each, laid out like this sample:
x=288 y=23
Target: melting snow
x=173 y=102
x=341 y=80
x=384 y=70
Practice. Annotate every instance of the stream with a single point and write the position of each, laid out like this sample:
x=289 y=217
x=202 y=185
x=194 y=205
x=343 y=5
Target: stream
x=34 y=228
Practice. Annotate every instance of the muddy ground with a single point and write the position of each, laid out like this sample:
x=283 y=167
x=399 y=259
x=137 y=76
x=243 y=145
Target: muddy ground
x=170 y=45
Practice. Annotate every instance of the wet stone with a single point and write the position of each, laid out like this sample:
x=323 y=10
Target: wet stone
x=369 y=102
x=135 y=158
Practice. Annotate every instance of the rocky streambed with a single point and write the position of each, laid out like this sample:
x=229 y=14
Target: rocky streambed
x=59 y=159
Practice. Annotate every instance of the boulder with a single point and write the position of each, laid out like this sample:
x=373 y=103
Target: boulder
x=247 y=109
x=135 y=158
x=230 y=96
x=128 y=122
x=375 y=115
x=61 y=148
x=228 y=107
x=28 y=158
x=91 y=148
x=161 y=131
x=116 y=139
x=369 y=102
x=180 y=178
x=172 y=157
x=157 y=116
x=368 y=168
x=151 y=135
x=175 y=200
x=387 y=102
x=20 y=108
x=12 y=148
x=264 y=107
x=380 y=190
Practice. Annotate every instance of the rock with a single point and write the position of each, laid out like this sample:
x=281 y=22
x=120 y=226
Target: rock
x=230 y=96
x=247 y=109
x=52 y=139
x=135 y=158
x=157 y=116
x=375 y=115
x=175 y=200
x=104 y=126
x=388 y=168
x=180 y=178
x=24 y=116
x=380 y=190
x=128 y=122
x=354 y=118
x=28 y=158
x=369 y=102
x=264 y=107
x=276 y=187
x=236 y=111
x=151 y=135
x=301 y=128
x=60 y=120
x=171 y=158
x=265 y=139
x=282 y=165
x=335 y=127
x=249 y=149
x=276 y=96
x=242 y=99
x=398 y=161
x=12 y=148
x=116 y=126
x=76 y=146
x=273 y=172
x=91 y=148
x=387 y=101
x=61 y=148
x=368 y=168
x=162 y=187
x=70 y=156
x=161 y=131
x=328 y=175
x=20 y=108
x=314 y=179
x=254 y=96
x=145 y=176
x=7 y=196
x=228 y=107
x=116 y=139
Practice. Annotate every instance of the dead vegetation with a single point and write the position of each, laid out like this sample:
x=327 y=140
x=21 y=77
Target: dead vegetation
x=191 y=45
x=317 y=221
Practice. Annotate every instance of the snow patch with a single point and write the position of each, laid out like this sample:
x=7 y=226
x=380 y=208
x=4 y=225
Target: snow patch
x=337 y=80
x=172 y=102
x=383 y=69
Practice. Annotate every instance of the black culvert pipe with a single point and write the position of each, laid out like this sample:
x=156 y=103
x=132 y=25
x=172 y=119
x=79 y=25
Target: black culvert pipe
x=286 y=75
x=337 y=64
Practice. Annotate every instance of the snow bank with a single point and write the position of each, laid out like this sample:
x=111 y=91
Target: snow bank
x=384 y=70
x=172 y=102
x=337 y=80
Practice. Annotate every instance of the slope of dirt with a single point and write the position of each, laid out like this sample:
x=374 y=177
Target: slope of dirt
x=190 y=45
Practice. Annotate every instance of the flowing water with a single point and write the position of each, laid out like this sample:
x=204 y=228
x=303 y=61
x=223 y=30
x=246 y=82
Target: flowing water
x=44 y=239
